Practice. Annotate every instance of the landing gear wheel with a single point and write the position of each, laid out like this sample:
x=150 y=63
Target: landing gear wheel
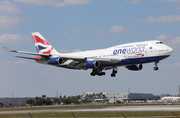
x=93 y=74
x=97 y=72
x=114 y=72
x=113 y=75
x=103 y=73
x=155 y=68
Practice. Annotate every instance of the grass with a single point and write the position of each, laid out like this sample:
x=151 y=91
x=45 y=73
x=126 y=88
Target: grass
x=96 y=114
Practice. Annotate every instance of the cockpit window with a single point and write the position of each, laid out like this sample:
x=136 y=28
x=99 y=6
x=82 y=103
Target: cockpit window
x=159 y=42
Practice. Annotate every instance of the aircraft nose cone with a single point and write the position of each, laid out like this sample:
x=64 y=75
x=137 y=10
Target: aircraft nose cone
x=171 y=51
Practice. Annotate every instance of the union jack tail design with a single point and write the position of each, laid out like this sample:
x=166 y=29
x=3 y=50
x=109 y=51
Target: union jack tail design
x=42 y=46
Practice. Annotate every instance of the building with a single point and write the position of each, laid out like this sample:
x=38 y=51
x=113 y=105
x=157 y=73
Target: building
x=129 y=97
x=179 y=90
x=15 y=101
x=120 y=97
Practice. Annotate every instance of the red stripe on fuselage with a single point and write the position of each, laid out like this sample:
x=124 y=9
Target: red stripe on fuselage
x=39 y=40
x=140 y=54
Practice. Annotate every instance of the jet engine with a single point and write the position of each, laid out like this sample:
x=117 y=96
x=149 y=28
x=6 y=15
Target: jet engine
x=56 y=60
x=135 y=67
x=92 y=64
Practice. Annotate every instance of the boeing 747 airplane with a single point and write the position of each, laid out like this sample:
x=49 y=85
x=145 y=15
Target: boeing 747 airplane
x=130 y=55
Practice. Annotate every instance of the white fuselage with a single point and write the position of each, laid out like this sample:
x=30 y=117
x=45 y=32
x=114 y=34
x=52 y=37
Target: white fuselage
x=171 y=99
x=138 y=52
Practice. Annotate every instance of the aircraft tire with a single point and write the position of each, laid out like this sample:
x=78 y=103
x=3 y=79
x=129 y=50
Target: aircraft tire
x=99 y=74
x=155 y=68
x=113 y=75
x=103 y=73
x=93 y=74
x=115 y=71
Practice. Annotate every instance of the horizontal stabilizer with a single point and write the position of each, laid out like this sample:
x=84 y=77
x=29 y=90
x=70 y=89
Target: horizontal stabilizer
x=8 y=50
x=30 y=53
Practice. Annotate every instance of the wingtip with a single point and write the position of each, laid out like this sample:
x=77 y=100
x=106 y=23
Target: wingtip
x=7 y=49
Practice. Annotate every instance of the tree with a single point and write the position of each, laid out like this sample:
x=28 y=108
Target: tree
x=78 y=96
x=85 y=101
x=43 y=96
x=36 y=98
x=69 y=100
x=65 y=101
x=55 y=100
x=30 y=101
x=47 y=101
x=1 y=104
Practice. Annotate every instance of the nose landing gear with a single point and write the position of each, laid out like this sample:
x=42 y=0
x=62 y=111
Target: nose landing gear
x=156 y=68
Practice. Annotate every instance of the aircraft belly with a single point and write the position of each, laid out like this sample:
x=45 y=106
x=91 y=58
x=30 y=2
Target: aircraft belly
x=131 y=61
x=124 y=62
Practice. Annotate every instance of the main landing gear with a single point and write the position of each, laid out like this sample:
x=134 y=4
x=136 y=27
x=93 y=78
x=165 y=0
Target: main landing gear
x=97 y=72
x=100 y=73
x=114 y=71
x=156 y=68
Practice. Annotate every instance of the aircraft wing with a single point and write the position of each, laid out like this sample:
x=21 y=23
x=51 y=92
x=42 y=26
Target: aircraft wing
x=30 y=53
x=78 y=59
x=85 y=59
x=28 y=58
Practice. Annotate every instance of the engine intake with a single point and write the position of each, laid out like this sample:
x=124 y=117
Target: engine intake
x=55 y=61
x=92 y=64
x=135 y=67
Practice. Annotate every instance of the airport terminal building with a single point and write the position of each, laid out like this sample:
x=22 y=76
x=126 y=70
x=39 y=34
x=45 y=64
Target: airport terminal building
x=122 y=97
x=129 y=97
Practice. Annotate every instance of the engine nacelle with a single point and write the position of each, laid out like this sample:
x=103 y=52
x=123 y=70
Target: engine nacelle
x=135 y=67
x=92 y=64
x=56 y=60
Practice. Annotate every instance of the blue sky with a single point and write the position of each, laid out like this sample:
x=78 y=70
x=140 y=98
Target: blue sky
x=78 y=25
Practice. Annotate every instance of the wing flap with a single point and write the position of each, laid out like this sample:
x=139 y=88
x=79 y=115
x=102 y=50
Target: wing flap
x=85 y=59
x=74 y=58
x=106 y=60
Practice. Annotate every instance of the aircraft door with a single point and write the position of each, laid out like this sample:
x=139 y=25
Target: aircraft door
x=100 y=55
x=146 y=50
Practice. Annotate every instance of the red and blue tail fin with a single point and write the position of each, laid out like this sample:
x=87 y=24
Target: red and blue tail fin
x=42 y=46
